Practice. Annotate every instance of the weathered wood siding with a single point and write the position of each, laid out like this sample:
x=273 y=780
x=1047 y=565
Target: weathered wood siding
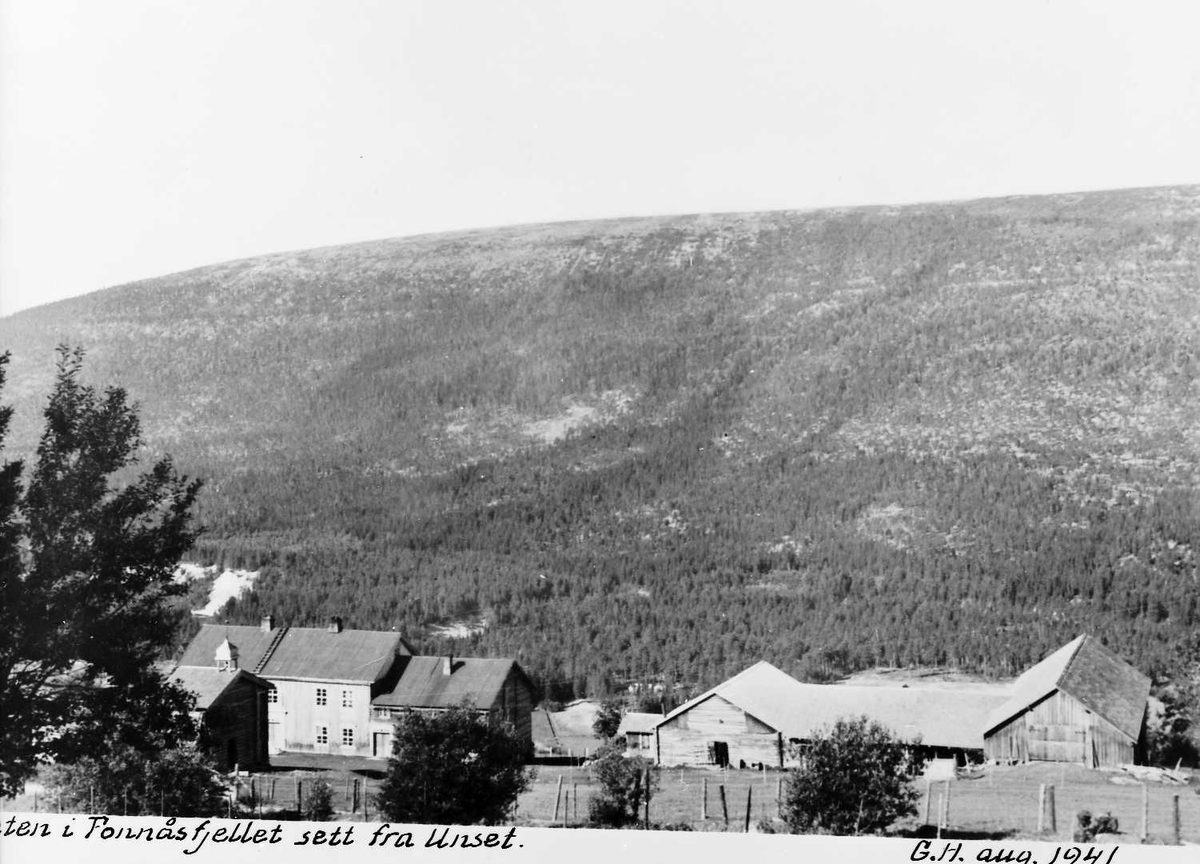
x=235 y=727
x=515 y=705
x=1060 y=728
x=299 y=716
x=686 y=738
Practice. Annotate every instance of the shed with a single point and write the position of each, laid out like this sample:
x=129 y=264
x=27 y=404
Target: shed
x=232 y=708
x=1081 y=704
x=638 y=731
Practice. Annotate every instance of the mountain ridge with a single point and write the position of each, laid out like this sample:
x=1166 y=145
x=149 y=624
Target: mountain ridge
x=842 y=427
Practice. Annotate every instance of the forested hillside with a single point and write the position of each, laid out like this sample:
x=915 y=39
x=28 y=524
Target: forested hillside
x=954 y=433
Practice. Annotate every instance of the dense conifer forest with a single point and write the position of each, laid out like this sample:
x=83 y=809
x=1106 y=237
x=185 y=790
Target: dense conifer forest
x=958 y=433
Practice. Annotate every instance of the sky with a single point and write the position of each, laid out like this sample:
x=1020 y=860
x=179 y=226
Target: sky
x=142 y=138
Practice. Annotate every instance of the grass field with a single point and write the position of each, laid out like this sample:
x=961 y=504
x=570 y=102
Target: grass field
x=1002 y=801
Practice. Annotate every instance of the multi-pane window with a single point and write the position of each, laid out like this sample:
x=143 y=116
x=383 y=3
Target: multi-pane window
x=348 y=737
x=322 y=734
x=322 y=695
x=347 y=698
x=273 y=696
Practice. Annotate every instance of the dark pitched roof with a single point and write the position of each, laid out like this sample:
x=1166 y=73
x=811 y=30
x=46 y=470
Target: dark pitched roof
x=208 y=683
x=251 y=643
x=351 y=655
x=301 y=652
x=1086 y=670
x=424 y=684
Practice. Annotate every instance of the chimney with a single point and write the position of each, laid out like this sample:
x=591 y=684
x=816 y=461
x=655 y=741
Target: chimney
x=268 y=623
x=447 y=664
x=335 y=624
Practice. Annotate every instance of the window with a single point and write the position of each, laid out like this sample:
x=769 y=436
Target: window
x=348 y=737
x=347 y=698
x=322 y=734
x=321 y=695
x=273 y=697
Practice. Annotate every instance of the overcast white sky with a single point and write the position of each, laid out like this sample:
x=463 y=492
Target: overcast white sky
x=141 y=138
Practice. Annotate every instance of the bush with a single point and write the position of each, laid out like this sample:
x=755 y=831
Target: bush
x=856 y=780
x=179 y=782
x=625 y=786
x=453 y=767
x=318 y=804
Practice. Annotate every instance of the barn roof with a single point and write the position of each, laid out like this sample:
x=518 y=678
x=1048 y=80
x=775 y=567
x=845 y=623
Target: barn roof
x=301 y=652
x=638 y=723
x=940 y=717
x=208 y=683
x=424 y=683
x=1086 y=670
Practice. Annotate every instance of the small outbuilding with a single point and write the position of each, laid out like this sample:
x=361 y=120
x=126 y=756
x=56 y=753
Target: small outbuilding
x=1081 y=704
x=231 y=706
x=637 y=730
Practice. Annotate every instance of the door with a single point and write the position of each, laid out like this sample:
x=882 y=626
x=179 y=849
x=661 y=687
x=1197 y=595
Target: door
x=381 y=745
x=718 y=753
x=274 y=737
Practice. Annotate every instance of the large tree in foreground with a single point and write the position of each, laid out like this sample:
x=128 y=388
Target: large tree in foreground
x=857 y=779
x=86 y=569
x=453 y=767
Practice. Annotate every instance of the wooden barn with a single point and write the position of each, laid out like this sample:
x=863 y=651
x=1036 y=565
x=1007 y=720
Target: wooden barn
x=496 y=688
x=231 y=705
x=1081 y=704
x=765 y=716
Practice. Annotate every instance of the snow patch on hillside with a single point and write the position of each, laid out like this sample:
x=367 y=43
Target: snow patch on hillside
x=226 y=585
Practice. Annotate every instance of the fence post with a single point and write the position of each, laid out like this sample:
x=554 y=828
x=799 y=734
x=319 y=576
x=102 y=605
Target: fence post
x=946 y=810
x=939 y=817
x=299 y=797
x=1145 y=811
x=704 y=800
x=724 y=808
x=779 y=797
x=575 y=798
x=928 y=799
x=647 y=799
x=1053 y=809
x=1041 y=808
x=557 y=800
x=749 y=794
x=1175 y=838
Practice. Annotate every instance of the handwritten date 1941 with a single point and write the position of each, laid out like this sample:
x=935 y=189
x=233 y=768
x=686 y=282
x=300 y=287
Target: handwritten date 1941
x=952 y=853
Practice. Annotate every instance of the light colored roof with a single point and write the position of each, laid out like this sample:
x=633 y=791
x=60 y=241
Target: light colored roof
x=300 y=652
x=941 y=717
x=1086 y=670
x=636 y=722
x=424 y=684
x=208 y=683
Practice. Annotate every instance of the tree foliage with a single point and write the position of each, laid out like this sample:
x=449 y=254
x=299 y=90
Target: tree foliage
x=86 y=579
x=608 y=718
x=176 y=782
x=318 y=803
x=453 y=767
x=625 y=784
x=855 y=780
